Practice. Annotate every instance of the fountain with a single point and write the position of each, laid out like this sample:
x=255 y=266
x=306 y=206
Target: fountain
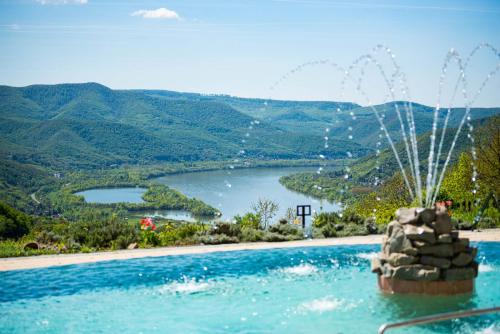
x=420 y=253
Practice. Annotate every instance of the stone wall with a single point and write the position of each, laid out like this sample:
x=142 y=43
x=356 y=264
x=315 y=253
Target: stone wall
x=421 y=246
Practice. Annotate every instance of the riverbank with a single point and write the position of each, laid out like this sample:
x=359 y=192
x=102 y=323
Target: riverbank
x=44 y=261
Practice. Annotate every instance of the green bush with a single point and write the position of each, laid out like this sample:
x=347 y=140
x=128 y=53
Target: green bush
x=251 y=234
x=229 y=229
x=101 y=235
x=171 y=235
x=249 y=220
x=216 y=239
x=285 y=229
x=324 y=218
x=276 y=237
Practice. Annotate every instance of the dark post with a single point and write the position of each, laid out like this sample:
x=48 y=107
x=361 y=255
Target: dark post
x=303 y=211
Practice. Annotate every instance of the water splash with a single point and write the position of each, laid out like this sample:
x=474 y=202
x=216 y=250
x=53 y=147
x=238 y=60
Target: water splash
x=407 y=128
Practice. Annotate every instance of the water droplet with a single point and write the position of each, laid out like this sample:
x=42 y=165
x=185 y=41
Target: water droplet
x=349 y=154
x=346 y=176
x=322 y=156
x=349 y=128
x=350 y=136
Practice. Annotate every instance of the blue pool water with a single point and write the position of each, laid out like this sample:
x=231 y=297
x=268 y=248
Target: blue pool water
x=301 y=290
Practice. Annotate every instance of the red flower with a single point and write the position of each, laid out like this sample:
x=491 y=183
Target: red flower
x=147 y=221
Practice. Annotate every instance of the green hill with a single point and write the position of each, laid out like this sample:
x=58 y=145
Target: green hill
x=363 y=173
x=89 y=125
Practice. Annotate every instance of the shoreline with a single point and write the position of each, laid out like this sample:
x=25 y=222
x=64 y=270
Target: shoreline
x=45 y=261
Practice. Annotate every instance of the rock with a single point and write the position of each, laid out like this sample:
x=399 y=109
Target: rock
x=133 y=246
x=398 y=240
x=472 y=251
x=444 y=239
x=439 y=250
x=392 y=226
x=435 y=261
x=416 y=273
x=384 y=247
x=462 y=259
x=376 y=265
x=458 y=274
x=442 y=224
x=418 y=243
x=383 y=257
x=31 y=245
x=400 y=259
x=407 y=216
x=421 y=233
x=410 y=251
x=474 y=265
x=460 y=245
x=426 y=216
x=464 y=241
x=387 y=270
x=454 y=235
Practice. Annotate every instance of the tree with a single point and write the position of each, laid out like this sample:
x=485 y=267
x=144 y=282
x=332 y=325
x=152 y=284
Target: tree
x=488 y=158
x=266 y=209
x=13 y=224
x=457 y=184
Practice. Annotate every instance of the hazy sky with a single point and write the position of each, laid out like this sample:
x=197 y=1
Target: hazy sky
x=240 y=47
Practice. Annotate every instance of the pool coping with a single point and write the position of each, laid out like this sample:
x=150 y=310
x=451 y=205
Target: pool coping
x=44 y=261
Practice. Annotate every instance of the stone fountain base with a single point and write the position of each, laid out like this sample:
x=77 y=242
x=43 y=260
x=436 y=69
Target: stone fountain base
x=390 y=285
x=422 y=255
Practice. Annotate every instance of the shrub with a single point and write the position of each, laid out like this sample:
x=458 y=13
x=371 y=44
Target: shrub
x=251 y=234
x=285 y=229
x=170 y=234
x=353 y=229
x=102 y=234
x=229 y=229
x=216 y=239
x=249 y=220
x=324 y=218
x=276 y=237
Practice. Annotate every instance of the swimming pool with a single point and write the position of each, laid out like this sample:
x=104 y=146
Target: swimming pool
x=298 y=290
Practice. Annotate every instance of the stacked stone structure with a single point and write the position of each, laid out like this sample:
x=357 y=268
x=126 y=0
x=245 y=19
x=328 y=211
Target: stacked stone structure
x=420 y=246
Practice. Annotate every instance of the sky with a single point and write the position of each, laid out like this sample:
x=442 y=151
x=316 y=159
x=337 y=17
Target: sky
x=242 y=47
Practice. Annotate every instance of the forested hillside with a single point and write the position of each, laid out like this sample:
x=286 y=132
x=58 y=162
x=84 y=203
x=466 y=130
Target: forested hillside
x=91 y=126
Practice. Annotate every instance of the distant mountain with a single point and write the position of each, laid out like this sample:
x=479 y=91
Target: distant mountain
x=313 y=117
x=88 y=125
